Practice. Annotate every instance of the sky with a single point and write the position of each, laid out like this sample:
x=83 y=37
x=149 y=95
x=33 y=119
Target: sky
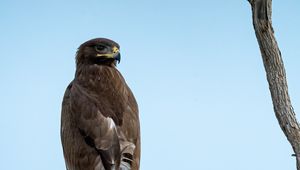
x=194 y=67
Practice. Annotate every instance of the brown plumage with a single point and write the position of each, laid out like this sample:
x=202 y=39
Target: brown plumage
x=99 y=121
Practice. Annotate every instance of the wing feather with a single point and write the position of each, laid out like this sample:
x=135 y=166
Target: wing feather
x=99 y=131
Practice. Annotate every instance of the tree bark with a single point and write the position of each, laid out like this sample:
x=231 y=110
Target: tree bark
x=276 y=76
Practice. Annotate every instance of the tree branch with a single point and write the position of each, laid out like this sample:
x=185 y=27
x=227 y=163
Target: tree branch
x=276 y=76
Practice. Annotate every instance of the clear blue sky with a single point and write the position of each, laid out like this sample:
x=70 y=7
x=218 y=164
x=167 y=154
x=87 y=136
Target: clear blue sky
x=194 y=67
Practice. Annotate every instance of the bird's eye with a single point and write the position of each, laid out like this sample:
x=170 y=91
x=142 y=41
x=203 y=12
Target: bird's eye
x=99 y=47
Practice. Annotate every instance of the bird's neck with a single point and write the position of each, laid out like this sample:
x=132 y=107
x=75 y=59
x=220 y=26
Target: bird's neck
x=100 y=77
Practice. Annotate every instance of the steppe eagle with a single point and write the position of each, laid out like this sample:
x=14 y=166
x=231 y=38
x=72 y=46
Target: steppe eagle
x=99 y=120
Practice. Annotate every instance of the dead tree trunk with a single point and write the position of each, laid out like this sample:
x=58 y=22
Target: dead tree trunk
x=276 y=76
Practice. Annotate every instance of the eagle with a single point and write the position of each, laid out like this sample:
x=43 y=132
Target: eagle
x=100 y=127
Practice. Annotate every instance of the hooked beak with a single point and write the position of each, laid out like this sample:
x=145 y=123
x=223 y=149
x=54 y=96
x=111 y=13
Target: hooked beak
x=118 y=57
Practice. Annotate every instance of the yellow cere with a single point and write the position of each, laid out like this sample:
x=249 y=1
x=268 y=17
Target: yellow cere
x=115 y=49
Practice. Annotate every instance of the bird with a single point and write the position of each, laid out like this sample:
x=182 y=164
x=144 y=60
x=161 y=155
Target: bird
x=100 y=127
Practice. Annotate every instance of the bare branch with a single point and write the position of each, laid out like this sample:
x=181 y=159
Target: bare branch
x=275 y=71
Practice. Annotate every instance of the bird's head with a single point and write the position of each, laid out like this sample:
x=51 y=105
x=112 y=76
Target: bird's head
x=99 y=51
